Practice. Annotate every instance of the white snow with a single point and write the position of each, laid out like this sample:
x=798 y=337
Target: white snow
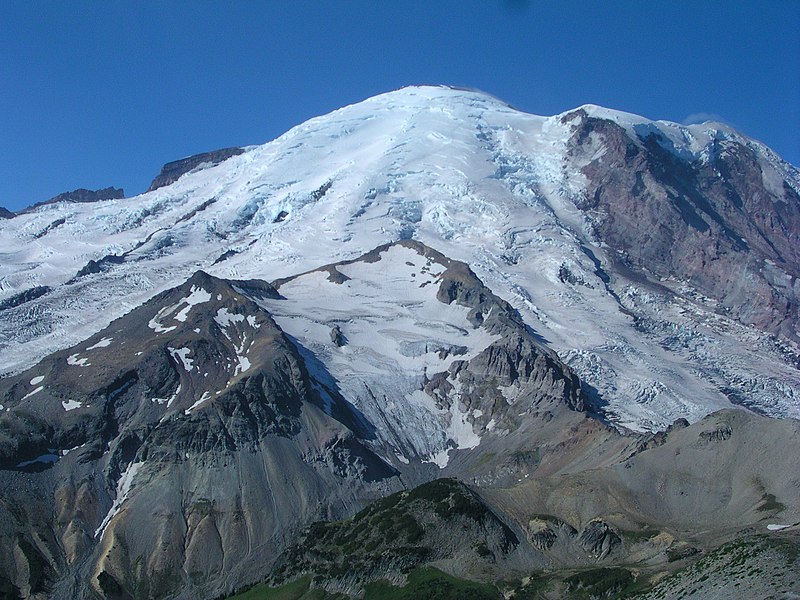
x=37 y=380
x=203 y=398
x=170 y=400
x=182 y=355
x=244 y=364
x=224 y=318
x=73 y=360
x=776 y=527
x=389 y=347
x=197 y=295
x=158 y=327
x=458 y=170
x=71 y=404
x=68 y=450
x=124 y=486
x=105 y=342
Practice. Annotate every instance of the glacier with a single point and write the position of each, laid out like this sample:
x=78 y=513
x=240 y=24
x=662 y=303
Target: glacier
x=458 y=170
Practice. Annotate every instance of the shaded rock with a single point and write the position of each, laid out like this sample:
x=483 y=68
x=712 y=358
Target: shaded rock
x=23 y=297
x=172 y=171
x=721 y=433
x=708 y=219
x=337 y=337
x=599 y=539
x=543 y=531
x=81 y=195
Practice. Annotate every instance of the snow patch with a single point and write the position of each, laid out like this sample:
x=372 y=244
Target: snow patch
x=224 y=318
x=244 y=364
x=182 y=355
x=168 y=401
x=123 y=490
x=68 y=450
x=37 y=380
x=197 y=295
x=69 y=405
x=101 y=344
x=203 y=398
x=78 y=362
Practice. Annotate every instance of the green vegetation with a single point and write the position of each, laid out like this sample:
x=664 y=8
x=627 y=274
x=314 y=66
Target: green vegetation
x=527 y=456
x=600 y=583
x=424 y=583
x=530 y=588
x=675 y=554
x=431 y=584
x=296 y=590
x=394 y=535
x=485 y=458
x=553 y=520
x=641 y=535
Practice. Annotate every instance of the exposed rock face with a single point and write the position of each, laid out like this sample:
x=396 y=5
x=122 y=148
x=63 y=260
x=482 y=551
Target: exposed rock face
x=599 y=539
x=171 y=171
x=5 y=213
x=544 y=530
x=480 y=367
x=82 y=195
x=181 y=431
x=718 y=220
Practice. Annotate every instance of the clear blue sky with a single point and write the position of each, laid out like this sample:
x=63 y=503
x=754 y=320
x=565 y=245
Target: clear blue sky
x=103 y=93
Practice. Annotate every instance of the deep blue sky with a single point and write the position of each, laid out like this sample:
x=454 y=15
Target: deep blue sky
x=103 y=93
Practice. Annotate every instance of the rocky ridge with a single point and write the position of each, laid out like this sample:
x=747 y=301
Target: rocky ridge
x=172 y=171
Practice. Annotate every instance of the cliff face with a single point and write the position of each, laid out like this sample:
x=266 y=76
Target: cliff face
x=148 y=460
x=723 y=221
x=81 y=195
x=171 y=171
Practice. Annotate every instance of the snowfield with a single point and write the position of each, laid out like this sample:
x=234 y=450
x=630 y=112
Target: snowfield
x=460 y=171
x=387 y=347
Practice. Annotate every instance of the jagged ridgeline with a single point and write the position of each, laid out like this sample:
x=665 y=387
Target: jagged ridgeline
x=424 y=346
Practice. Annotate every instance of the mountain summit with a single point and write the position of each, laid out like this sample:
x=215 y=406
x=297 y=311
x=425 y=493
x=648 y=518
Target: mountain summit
x=426 y=284
x=673 y=247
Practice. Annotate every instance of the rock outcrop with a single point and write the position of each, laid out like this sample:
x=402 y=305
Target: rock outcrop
x=140 y=462
x=172 y=171
x=81 y=195
x=716 y=220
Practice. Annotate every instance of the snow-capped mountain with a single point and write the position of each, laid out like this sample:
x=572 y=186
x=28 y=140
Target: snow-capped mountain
x=585 y=222
x=428 y=283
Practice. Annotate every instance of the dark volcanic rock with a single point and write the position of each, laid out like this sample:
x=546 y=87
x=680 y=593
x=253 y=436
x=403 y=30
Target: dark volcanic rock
x=599 y=539
x=709 y=220
x=24 y=296
x=82 y=195
x=171 y=172
x=148 y=455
